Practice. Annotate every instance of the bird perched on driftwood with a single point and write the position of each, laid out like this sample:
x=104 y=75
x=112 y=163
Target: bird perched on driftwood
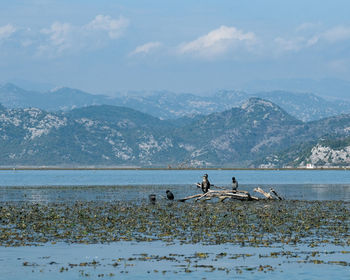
x=205 y=185
x=234 y=184
x=169 y=195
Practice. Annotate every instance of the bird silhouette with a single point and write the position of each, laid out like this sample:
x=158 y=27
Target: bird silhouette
x=152 y=198
x=169 y=195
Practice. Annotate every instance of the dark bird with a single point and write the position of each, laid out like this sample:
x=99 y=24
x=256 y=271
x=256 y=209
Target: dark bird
x=205 y=185
x=169 y=195
x=152 y=198
x=234 y=184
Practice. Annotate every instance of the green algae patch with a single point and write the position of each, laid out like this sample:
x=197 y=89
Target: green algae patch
x=258 y=224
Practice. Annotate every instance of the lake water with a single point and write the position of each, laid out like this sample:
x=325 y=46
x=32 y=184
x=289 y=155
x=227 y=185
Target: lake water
x=58 y=185
x=46 y=262
x=172 y=177
x=151 y=260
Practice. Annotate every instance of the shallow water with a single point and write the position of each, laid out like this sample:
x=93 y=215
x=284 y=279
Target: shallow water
x=108 y=185
x=140 y=192
x=157 y=259
x=126 y=260
x=169 y=177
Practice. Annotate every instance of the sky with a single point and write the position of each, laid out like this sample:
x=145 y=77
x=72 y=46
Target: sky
x=108 y=46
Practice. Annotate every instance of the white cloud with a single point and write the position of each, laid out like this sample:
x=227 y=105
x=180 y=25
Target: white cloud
x=307 y=26
x=330 y=36
x=6 y=31
x=64 y=37
x=146 y=48
x=60 y=35
x=217 y=42
x=114 y=27
x=338 y=33
x=312 y=41
x=294 y=44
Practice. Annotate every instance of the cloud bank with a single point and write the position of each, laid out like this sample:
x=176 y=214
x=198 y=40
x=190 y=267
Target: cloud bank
x=218 y=42
x=114 y=27
x=62 y=37
x=146 y=48
x=329 y=36
x=6 y=31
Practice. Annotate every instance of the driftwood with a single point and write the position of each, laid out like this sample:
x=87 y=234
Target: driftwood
x=275 y=193
x=189 y=197
x=223 y=194
x=267 y=195
x=271 y=195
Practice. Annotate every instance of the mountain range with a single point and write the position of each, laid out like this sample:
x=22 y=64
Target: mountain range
x=330 y=88
x=254 y=134
x=169 y=105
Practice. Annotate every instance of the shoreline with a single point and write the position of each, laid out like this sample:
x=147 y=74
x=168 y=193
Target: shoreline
x=163 y=168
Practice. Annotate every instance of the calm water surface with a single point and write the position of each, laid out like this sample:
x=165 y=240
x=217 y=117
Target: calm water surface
x=156 y=177
x=72 y=185
x=45 y=262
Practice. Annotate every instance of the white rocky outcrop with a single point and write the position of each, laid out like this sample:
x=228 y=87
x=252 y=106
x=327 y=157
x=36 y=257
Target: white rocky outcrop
x=326 y=156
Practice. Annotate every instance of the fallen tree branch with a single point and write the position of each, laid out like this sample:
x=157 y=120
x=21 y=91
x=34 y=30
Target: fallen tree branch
x=267 y=195
x=222 y=195
x=189 y=197
x=203 y=195
x=275 y=193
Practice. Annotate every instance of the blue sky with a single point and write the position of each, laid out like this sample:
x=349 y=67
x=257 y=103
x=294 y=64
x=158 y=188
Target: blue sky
x=188 y=46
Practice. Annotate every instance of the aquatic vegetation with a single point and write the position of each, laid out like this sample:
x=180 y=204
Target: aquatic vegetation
x=261 y=223
x=190 y=263
x=202 y=239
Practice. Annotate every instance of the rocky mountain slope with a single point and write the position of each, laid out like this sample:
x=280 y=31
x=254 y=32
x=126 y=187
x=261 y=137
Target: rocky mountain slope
x=256 y=133
x=331 y=152
x=98 y=135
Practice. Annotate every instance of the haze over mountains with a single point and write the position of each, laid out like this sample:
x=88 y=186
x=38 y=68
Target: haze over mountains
x=329 y=88
x=258 y=133
x=170 y=105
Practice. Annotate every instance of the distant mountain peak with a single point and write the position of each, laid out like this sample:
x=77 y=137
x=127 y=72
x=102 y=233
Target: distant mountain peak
x=259 y=108
x=56 y=89
x=59 y=90
x=11 y=87
x=255 y=101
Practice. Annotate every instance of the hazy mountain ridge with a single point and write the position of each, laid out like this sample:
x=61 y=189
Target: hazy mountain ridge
x=58 y=99
x=108 y=135
x=169 y=105
x=327 y=87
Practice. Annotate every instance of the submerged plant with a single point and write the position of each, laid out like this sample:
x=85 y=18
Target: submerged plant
x=245 y=223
